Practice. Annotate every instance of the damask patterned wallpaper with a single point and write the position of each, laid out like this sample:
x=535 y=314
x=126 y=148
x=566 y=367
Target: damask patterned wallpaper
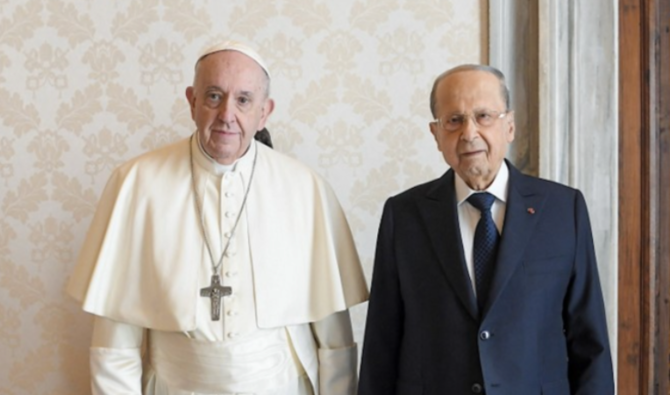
x=86 y=85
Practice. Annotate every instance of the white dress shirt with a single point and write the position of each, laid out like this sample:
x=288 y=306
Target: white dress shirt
x=468 y=215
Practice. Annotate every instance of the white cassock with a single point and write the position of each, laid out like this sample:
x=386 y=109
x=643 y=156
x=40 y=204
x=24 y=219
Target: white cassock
x=291 y=264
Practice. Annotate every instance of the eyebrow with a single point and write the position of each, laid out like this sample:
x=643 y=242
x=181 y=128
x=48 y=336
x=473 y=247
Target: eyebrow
x=217 y=88
x=474 y=110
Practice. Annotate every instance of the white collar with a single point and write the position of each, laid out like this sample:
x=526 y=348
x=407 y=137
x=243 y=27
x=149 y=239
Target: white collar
x=498 y=187
x=204 y=160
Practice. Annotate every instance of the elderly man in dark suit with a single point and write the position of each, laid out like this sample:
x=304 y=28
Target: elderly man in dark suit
x=485 y=280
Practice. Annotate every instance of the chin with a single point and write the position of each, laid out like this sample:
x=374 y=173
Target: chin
x=476 y=170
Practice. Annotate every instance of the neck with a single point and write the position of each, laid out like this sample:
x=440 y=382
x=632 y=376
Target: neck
x=481 y=181
x=221 y=167
x=479 y=184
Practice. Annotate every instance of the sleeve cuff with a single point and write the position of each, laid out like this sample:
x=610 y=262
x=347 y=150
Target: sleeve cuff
x=116 y=371
x=338 y=370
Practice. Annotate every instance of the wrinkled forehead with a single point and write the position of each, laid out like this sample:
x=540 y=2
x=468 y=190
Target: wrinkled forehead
x=469 y=90
x=230 y=71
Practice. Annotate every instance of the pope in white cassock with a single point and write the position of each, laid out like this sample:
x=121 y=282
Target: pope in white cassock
x=216 y=265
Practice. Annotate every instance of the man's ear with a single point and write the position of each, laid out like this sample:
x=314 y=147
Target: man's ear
x=434 y=131
x=190 y=96
x=510 y=127
x=268 y=107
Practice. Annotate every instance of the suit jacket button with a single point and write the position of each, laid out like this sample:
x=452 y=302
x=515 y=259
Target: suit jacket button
x=485 y=335
x=477 y=388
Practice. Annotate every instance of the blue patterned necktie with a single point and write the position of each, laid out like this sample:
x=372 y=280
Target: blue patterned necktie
x=485 y=247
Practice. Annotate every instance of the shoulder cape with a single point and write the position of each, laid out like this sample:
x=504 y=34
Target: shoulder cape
x=141 y=257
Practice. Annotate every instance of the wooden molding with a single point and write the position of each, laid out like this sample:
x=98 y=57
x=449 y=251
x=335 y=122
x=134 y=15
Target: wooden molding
x=644 y=197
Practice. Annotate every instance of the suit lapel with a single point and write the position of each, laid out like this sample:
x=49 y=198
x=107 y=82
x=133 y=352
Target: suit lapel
x=524 y=209
x=439 y=212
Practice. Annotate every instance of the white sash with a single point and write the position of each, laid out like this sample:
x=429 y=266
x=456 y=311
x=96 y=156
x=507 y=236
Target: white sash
x=249 y=364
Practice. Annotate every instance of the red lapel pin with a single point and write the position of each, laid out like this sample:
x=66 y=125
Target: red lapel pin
x=531 y=210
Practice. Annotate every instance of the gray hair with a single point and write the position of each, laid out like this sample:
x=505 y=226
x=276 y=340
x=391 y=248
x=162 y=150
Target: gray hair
x=504 y=91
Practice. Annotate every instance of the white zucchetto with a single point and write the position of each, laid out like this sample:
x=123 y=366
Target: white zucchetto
x=239 y=47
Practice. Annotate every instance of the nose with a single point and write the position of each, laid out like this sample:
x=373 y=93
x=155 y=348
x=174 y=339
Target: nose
x=226 y=112
x=470 y=130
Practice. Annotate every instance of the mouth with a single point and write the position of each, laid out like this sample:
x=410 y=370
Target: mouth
x=224 y=133
x=470 y=154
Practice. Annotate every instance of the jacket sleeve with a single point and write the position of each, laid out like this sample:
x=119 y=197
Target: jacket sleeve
x=384 y=325
x=589 y=359
x=337 y=353
x=115 y=357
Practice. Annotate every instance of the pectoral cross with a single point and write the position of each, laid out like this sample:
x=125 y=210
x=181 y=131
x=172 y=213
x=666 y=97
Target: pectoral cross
x=214 y=292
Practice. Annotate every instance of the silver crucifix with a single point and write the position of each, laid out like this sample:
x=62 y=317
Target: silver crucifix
x=214 y=292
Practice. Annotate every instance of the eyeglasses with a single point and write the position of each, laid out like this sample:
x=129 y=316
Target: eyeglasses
x=483 y=118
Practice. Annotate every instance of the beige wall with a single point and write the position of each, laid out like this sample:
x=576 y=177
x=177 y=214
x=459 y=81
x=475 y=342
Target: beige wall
x=86 y=85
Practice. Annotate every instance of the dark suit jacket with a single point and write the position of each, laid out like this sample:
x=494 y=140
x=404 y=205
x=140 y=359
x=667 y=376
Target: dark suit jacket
x=543 y=329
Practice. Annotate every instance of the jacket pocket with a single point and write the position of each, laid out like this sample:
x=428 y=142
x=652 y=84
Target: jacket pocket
x=558 y=387
x=407 y=388
x=548 y=265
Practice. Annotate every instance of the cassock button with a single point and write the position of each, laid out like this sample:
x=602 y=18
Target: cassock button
x=477 y=388
x=485 y=335
x=229 y=194
x=229 y=214
x=232 y=335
